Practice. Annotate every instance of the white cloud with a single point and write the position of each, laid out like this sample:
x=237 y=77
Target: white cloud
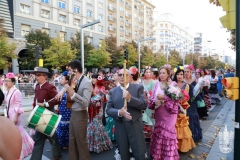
x=200 y=16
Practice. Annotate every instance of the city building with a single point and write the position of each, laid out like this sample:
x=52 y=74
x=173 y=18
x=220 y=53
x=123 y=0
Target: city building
x=130 y=20
x=5 y=14
x=171 y=36
x=200 y=45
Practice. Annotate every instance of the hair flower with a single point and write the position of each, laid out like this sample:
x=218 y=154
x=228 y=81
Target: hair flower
x=99 y=78
x=65 y=73
x=198 y=70
x=168 y=66
x=133 y=70
x=10 y=75
x=191 y=67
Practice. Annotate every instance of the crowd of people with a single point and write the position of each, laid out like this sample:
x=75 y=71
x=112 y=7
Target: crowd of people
x=164 y=106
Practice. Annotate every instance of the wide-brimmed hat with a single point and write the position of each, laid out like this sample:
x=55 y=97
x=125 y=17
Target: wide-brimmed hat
x=41 y=70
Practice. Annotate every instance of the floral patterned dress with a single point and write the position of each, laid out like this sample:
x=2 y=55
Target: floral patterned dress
x=63 y=127
x=97 y=137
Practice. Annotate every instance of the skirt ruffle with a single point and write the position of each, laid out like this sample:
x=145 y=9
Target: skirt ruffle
x=27 y=143
x=163 y=144
x=63 y=134
x=184 y=134
x=97 y=136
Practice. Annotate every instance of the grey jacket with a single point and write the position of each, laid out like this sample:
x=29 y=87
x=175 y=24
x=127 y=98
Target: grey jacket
x=134 y=106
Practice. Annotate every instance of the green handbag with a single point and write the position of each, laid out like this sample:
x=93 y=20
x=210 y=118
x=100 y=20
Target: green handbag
x=201 y=104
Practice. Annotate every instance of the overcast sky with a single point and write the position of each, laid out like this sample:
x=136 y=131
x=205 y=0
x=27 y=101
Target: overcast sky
x=200 y=16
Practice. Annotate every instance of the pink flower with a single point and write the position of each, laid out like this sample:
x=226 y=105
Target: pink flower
x=134 y=70
x=174 y=83
x=191 y=67
x=99 y=78
x=168 y=66
x=10 y=75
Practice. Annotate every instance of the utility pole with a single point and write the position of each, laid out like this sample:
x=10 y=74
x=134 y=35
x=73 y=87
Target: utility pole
x=237 y=103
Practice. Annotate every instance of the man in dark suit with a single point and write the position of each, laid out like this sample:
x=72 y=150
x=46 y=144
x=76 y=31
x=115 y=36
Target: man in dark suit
x=43 y=93
x=78 y=146
x=128 y=120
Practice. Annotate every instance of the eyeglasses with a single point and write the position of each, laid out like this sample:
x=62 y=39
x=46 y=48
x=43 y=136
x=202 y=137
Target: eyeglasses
x=38 y=75
x=120 y=75
x=7 y=81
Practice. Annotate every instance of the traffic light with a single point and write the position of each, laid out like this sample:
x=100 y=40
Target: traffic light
x=231 y=88
x=229 y=20
x=126 y=55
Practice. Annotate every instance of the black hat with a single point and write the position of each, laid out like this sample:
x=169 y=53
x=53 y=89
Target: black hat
x=41 y=70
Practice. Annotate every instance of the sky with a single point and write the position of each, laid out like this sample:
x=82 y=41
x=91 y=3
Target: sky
x=199 y=16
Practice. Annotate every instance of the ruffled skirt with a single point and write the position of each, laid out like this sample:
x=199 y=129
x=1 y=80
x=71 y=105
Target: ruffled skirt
x=194 y=125
x=110 y=128
x=97 y=136
x=164 y=142
x=184 y=134
x=63 y=134
x=27 y=143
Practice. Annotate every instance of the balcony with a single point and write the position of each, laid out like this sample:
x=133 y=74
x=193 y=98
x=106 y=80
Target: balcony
x=25 y=12
x=140 y=28
x=111 y=18
x=111 y=28
x=140 y=20
x=111 y=8
x=140 y=12
x=113 y=0
x=128 y=15
x=45 y=16
x=128 y=6
x=121 y=29
x=128 y=24
x=128 y=33
x=76 y=23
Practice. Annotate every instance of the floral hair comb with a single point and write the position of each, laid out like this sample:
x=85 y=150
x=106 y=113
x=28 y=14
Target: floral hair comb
x=168 y=66
x=99 y=78
x=10 y=75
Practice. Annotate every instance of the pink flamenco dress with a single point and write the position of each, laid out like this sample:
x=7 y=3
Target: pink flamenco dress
x=15 y=107
x=164 y=143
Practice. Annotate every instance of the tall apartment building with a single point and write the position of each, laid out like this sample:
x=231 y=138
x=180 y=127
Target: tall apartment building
x=170 y=36
x=200 y=45
x=130 y=20
x=5 y=14
x=60 y=16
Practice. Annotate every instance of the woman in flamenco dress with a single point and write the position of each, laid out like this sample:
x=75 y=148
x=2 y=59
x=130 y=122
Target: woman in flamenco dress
x=192 y=112
x=97 y=136
x=163 y=145
x=184 y=134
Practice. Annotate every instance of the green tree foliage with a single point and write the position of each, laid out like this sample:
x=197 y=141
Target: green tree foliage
x=6 y=52
x=132 y=55
x=75 y=44
x=33 y=39
x=175 y=59
x=58 y=54
x=99 y=58
x=2 y=30
x=147 y=58
x=160 y=60
x=192 y=57
x=114 y=51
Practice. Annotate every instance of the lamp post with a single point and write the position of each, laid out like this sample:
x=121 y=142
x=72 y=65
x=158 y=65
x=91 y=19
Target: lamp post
x=82 y=40
x=139 y=42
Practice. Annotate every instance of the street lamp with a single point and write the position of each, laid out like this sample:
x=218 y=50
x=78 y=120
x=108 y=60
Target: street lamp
x=82 y=40
x=139 y=41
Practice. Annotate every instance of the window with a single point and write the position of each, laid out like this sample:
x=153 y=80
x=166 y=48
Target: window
x=89 y=2
x=62 y=36
x=25 y=29
x=161 y=25
x=100 y=16
x=76 y=9
x=121 y=38
x=135 y=15
x=121 y=18
x=62 y=18
x=46 y=30
x=44 y=1
x=45 y=14
x=62 y=4
x=100 y=5
x=100 y=28
x=76 y=22
x=90 y=40
x=121 y=28
x=110 y=27
x=24 y=9
x=89 y=13
x=121 y=9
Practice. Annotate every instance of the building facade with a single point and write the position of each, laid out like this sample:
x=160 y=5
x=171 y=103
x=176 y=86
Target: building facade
x=202 y=46
x=170 y=36
x=130 y=20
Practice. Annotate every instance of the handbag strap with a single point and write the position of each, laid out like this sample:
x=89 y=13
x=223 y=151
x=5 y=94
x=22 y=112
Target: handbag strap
x=9 y=103
x=76 y=88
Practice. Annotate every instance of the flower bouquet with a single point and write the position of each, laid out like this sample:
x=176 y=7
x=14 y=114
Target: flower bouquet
x=173 y=92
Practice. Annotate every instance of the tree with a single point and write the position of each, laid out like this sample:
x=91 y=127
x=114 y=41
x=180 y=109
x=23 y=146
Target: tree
x=99 y=58
x=132 y=55
x=215 y=2
x=33 y=39
x=6 y=52
x=147 y=58
x=160 y=60
x=58 y=54
x=175 y=59
x=114 y=51
x=2 y=30
x=75 y=44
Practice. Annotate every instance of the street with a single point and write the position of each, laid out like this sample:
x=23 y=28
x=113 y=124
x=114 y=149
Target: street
x=219 y=116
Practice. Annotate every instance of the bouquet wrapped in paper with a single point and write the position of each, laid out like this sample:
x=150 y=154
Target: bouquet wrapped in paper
x=173 y=92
